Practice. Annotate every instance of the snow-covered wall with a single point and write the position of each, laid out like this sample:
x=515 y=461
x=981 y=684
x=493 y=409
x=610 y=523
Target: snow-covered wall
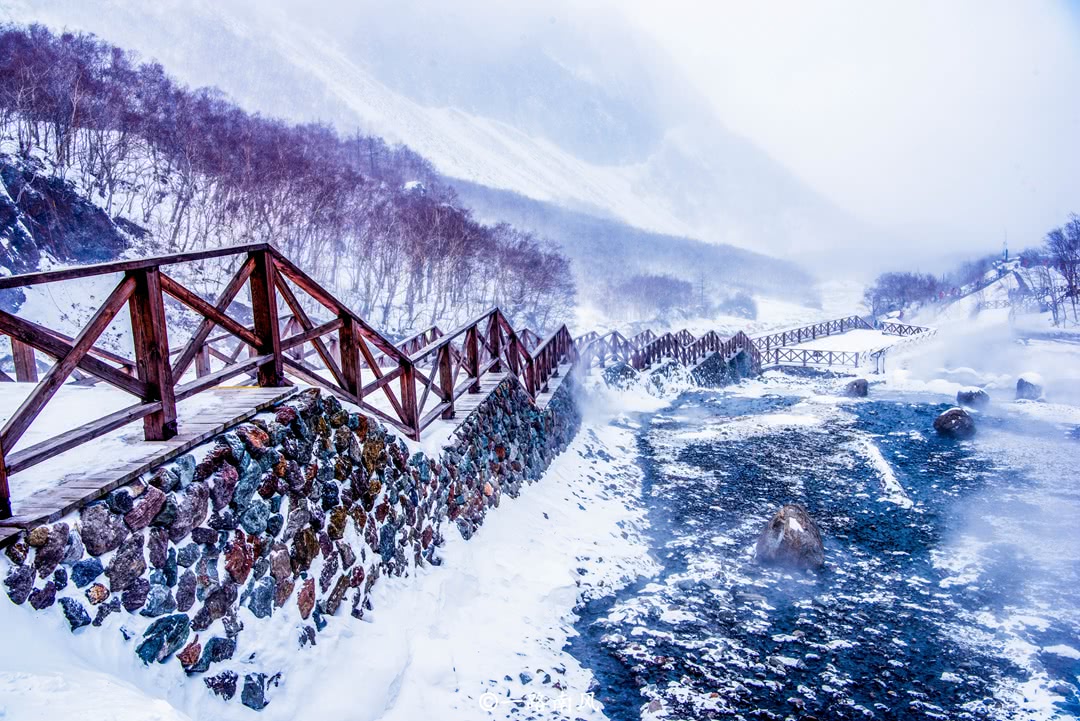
x=229 y=561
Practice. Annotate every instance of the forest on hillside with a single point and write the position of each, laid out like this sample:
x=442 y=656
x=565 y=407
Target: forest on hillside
x=372 y=220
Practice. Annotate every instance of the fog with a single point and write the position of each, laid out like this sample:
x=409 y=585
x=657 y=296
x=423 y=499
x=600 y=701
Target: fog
x=954 y=122
x=849 y=137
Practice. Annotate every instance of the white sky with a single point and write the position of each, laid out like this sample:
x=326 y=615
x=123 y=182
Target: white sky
x=960 y=114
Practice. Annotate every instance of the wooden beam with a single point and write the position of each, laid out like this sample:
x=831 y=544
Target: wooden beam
x=25 y=363
x=187 y=355
x=123 y=266
x=265 y=312
x=206 y=310
x=217 y=377
x=39 y=337
x=151 y=337
x=21 y=460
x=46 y=389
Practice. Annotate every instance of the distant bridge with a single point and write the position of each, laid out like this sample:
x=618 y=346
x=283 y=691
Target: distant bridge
x=299 y=333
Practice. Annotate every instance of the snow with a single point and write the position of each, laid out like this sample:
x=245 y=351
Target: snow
x=443 y=639
x=860 y=339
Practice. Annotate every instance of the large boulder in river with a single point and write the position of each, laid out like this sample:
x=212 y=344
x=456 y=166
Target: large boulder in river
x=1029 y=387
x=857 y=388
x=791 y=538
x=973 y=398
x=620 y=375
x=955 y=423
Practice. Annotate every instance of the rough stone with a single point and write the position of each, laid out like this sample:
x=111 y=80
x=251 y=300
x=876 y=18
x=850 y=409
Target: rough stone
x=253 y=694
x=86 y=571
x=239 y=558
x=49 y=555
x=164 y=637
x=305 y=549
x=102 y=530
x=348 y=556
x=223 y=684
x=157 y=546
x=262 y=598
x=194 y=505
x=973 y=398
x=190 y=655
x=217 y=604
x=135 y=595
x=339 y=517
x=170 y=509
x=223 y=486
x=955 y=423
x=127 y=565
x=75 y=613
x=97 y=593
x=217 y=649
x=120 y=501
x=255 y=517
x=17 y=552
x=159 y=601
x=857 y=388
x=60 y=577
x=333 y=601
x=75 y=549
x=165 y=480
x=42 y=598
x=791 y=538
x=1028 y=389
x=145 y=509
x=188 y=555
x=329 y=569
x=306 y=599
x=204 y=536
x=104 y=610
x=38 y=537
x=185 y=592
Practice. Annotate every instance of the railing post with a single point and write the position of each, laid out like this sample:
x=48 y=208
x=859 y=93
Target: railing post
x=265 y=311
x=349 y=355
x=494 y=336
x=446 y=379
x=151 y=340
x=202 y=361
x=472 y=357
x=25 y=363
x=5 y=490
x=408 y=400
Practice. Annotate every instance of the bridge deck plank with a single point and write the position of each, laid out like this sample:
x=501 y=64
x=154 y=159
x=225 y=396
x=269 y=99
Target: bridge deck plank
x=231 y=405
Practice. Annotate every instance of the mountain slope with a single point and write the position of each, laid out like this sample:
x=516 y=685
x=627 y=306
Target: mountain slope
x=556 y=108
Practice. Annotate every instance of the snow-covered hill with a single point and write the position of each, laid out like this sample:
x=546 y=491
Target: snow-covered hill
x=585 y=114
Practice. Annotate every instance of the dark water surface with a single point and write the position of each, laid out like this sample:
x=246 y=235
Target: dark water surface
x=955 y=598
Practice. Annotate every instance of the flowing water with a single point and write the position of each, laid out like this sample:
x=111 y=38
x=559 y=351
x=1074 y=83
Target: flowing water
x=952 y=580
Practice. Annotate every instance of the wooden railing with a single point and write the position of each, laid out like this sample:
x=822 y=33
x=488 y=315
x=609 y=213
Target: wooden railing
x=889 y=327
x=795 y=336
x=807 y=356
x=647 y=348
x=338 y=351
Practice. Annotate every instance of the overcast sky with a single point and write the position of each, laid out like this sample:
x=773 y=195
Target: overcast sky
x=908 y=113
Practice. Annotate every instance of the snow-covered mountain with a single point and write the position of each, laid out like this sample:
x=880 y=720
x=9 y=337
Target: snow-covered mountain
x=557 y=104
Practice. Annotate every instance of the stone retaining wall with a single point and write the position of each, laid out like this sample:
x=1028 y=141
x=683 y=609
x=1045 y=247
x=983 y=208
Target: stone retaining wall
x=296 y=512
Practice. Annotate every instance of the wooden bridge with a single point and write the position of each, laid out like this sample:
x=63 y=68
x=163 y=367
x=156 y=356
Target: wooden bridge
x=410 y=386
x=298 y=333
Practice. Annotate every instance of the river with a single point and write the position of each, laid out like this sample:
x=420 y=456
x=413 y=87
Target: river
x=952 y=581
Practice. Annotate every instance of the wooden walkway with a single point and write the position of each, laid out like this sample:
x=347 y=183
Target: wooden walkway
x=230 y=406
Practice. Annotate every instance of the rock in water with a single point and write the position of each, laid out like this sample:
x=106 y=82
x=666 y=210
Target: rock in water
x=791 y=538
x=973 y=398
x=955 y=423
x=1029 y=387
x=620 y=375
x=857 y=388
